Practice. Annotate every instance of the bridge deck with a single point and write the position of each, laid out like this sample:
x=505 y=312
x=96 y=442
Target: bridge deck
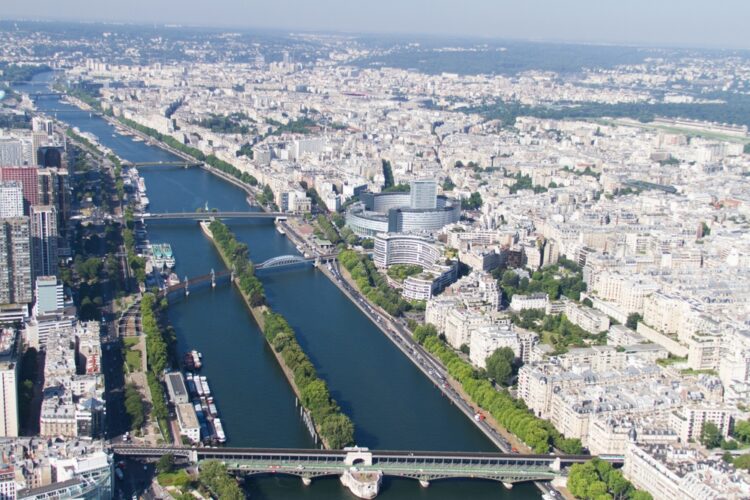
x=508 y=472
x=506 y=467
x=216 y=215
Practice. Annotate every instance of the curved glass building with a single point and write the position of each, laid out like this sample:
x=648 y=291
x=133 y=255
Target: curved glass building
x=419 y=210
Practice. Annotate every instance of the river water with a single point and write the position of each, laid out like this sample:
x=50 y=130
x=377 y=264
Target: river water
x=391 y=403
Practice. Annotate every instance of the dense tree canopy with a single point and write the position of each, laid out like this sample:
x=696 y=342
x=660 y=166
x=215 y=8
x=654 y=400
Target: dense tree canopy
x=597 y=480
x=511 y=413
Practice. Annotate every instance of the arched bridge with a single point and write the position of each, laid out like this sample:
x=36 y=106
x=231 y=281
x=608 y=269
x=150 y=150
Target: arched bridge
x=421 y=465
x=292 y=260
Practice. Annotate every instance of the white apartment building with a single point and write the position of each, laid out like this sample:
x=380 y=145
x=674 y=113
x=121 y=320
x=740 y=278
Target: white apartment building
x=587 y=318
x=11 y=199
x=681 y=473
x=486 y=340
x=459 y=324
x=688 y=420
x=8 y=383
x=532 y=301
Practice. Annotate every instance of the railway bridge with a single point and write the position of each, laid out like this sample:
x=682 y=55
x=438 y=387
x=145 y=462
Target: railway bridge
x=362 y=469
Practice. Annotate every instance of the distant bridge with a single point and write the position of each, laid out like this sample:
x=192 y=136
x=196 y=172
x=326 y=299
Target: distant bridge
x=424 y=466
x=34 y=95
x=292 y=260
x=183 y=164
x=214 y=215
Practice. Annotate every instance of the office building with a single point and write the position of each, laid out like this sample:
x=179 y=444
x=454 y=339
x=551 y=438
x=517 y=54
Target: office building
x=41 y=124
x=44 y=240
x=419 y=210
x=11 y=199
x=12 y=152
x=49 y=156
x=28 y=177
x=423 y=194
x=49 y=296
x=15 y=260
x=54 y=190
x=7 y=482
x=8 y=383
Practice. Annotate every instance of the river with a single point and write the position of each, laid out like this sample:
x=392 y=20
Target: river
x=393 y=405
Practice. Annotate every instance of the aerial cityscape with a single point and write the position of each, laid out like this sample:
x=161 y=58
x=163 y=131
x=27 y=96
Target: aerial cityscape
x=335 y=261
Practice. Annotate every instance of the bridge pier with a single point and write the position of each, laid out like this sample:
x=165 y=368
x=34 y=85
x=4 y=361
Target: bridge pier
x=364 y=485
x=307 y=481
x=508 y=486
x=424 y=483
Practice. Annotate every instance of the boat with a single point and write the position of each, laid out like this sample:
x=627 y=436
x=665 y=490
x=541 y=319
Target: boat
x=197 y=361
x=173 y=279
x=220 y=436
x=162 y=256
x=192 y=362
x=280 y=230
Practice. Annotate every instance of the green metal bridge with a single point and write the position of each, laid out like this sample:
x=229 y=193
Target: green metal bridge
x=507 y=468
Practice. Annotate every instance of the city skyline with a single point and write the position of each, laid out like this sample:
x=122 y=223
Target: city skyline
x=691 y=23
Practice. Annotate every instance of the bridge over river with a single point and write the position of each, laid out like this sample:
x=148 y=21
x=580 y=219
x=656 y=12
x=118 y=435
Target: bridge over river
x=213 y=215
x=362 y=470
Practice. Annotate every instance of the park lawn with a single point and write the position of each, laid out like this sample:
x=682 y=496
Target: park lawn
x=133 y=360
x=129 y=342
x=179 y=479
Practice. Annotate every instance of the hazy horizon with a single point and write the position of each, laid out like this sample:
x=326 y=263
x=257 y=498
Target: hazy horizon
x=687 y=23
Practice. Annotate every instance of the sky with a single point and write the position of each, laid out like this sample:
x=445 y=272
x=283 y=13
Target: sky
x=686 y=23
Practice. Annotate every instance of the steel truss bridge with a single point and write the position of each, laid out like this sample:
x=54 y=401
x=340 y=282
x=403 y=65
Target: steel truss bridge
x=184 y=164
x=213 y=215
x=292 y=260
x=420 y=465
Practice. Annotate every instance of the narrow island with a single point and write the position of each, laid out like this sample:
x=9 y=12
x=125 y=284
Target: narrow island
x=334 y=427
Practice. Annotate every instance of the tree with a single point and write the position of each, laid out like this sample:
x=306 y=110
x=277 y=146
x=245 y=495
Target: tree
x=165 y=464
x=729 y=445
x=710 y=435
x=500 y=365
x=741 y=431
x=742 y=462
x=338 y=430
x=596 y=489
x=632 y=321
x=473 y=202
x=510 y=279
x=641 y=495
x=581 y=477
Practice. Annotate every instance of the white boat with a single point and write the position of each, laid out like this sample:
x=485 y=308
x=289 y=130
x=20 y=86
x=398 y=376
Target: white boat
x=220 y=436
